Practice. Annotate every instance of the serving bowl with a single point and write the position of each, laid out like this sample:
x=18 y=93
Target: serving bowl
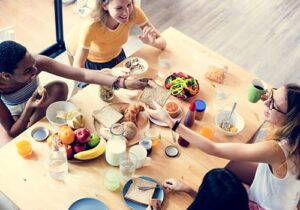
x=237 y=123
x=54 y=108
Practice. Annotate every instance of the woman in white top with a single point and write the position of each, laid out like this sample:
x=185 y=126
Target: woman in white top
x=276 y=185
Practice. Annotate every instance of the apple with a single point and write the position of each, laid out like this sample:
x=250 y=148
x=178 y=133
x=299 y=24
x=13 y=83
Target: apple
x=79 y=147
x=70 y=152
x=82 y=135
x=94 y=140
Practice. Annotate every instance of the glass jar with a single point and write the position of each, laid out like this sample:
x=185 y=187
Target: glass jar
x=58 y=163
x=116 y=145
x=106 y=93
x=200 y=109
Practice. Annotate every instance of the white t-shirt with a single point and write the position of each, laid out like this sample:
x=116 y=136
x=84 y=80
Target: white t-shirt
x=273 y=193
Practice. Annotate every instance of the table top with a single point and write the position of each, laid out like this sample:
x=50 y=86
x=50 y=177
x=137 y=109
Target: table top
x=27 y=183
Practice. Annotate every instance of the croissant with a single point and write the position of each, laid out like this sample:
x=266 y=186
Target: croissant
x=132 y=112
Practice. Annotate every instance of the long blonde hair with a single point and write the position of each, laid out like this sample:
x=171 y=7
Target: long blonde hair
x=290 y=128
x=100 y=15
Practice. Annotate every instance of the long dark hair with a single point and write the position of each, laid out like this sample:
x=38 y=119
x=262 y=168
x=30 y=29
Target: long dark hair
x=220 y=189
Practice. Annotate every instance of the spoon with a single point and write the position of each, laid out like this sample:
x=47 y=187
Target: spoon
x=226 y=123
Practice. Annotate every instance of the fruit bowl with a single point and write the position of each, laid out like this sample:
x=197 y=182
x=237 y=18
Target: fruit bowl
x=182 y=86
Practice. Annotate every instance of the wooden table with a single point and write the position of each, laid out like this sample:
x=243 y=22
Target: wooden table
x=27 y=183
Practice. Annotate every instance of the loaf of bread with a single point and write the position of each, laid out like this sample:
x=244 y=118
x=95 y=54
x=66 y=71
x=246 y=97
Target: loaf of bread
x=216 y=73
x=140 y=196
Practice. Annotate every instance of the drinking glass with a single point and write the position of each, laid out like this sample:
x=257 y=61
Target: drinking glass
x=164 y=65
x=127 y=163
x=221 y=101
x=23 y=147
x=154 y=135
x=112 y=180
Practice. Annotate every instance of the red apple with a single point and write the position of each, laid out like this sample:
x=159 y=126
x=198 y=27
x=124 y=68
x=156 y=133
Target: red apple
x=79 y=147
x=82 y=135
x=70 y=152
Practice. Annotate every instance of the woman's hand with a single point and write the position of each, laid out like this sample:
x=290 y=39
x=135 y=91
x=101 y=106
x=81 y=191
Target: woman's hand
x=159 y=114
x=175 y=185
x=37 y=100
x=149 y=35
x=136 y=84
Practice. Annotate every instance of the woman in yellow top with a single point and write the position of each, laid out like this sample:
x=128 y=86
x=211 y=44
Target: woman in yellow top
x=100 y=44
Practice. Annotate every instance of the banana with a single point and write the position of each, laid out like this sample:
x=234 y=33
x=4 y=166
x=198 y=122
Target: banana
x=92 y=153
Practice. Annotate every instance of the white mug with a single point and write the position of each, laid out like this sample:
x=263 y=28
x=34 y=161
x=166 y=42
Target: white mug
x=141 y=154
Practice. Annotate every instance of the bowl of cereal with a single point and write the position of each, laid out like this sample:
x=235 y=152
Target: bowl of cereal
x=237 y=123
x=136 y=65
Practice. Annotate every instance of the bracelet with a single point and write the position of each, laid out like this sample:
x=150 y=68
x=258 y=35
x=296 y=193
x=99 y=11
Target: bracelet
x=124 y=85
x=116 y=84
x=175 y=126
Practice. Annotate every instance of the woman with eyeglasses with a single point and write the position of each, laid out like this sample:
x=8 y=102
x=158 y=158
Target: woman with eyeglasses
x=274 y=163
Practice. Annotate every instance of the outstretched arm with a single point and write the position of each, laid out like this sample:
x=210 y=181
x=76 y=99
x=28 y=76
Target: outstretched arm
x=94 y=77
x=266 y=151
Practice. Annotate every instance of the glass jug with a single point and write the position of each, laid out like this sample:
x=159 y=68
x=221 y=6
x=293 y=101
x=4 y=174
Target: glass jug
x=116 y=145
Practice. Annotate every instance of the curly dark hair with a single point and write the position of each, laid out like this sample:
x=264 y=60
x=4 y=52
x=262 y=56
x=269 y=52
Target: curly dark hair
x=10 y=55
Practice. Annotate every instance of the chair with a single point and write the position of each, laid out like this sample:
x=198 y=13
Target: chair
x=7 y=33
x=71 y=47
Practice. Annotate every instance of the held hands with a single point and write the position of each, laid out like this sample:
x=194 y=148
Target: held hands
x=37 y=100
x=159 y=114
x=154 y=204
x=149 y=35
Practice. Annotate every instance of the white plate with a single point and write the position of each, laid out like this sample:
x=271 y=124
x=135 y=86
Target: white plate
x=141 y=62
x=160 y=123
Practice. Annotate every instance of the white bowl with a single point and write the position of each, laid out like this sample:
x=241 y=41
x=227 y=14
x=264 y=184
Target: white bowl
x=53 y=108
x=136 y=70
x=236 y=120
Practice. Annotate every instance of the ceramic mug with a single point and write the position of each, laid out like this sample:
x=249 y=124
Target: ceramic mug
x=141 y=154
x=256 y=90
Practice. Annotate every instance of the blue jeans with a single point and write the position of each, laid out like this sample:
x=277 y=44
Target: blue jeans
x=98 y=66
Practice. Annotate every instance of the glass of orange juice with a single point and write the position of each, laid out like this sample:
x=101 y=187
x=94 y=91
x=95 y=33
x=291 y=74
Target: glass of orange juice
x=207 y=132
x=154 y=135
x=23 y=147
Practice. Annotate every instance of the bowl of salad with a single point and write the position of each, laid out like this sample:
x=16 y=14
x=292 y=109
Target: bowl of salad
x=182 y=85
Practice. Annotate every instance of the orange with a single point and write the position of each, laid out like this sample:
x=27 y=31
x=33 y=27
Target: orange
x=207 y=132
x=66 y=134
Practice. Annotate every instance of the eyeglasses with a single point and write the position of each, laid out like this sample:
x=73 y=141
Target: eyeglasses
x=272 y=103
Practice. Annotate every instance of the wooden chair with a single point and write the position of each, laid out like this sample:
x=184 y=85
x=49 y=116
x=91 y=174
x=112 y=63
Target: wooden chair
x=71 y=47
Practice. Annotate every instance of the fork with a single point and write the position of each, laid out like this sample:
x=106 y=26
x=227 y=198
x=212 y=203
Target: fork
x=145 y=188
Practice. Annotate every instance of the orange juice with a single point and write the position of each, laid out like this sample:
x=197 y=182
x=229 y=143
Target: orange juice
x=154 y=135
x=24 y=147
x=207 y=132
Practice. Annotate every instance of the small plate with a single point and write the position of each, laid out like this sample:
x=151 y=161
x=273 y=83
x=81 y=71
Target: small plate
x=158 y=194
x=40 y=133
x=137 y=62
x=160 y=123
x=172 y=151
x=88 y=204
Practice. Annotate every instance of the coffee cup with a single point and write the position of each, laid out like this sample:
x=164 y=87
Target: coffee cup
x=256 y=90
x=141 y=154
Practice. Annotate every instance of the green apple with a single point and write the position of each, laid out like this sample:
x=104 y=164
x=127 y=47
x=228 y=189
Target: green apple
x=94 y=140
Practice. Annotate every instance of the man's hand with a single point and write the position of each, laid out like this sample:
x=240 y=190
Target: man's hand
x=37 y=99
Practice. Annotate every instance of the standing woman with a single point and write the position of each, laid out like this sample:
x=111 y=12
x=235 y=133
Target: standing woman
x=101 y=41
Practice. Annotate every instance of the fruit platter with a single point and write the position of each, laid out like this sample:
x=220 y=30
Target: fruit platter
x=182 y=85
x=81 y=145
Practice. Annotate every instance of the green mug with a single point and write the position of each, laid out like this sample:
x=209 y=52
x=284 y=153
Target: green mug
x=256 y=90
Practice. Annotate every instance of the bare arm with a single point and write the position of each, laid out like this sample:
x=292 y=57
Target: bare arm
x=80 y=57
x=152 y=37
